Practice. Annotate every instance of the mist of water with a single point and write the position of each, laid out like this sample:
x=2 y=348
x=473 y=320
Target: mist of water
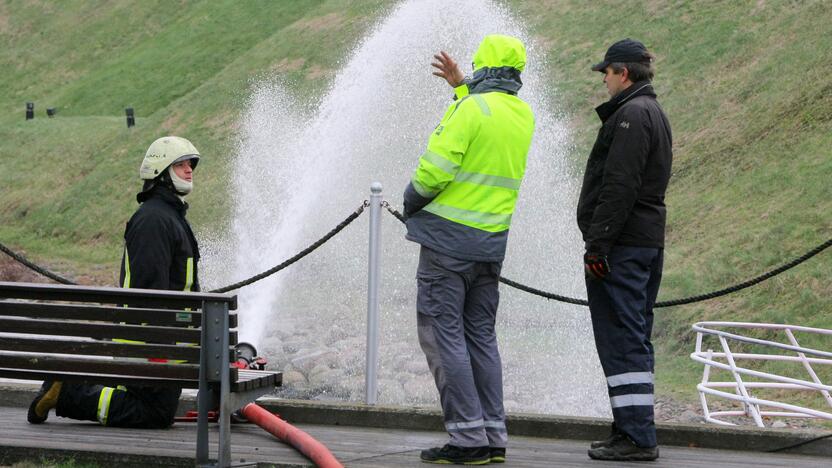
x=303 y=165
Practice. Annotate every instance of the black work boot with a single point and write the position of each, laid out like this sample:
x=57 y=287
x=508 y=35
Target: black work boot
x=623 y=449
x=614 y=434
x=45 y=400
x=457 y=455
x=498 y=454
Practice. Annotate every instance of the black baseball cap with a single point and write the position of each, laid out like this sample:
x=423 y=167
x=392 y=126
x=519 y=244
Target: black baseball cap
x=624 y=51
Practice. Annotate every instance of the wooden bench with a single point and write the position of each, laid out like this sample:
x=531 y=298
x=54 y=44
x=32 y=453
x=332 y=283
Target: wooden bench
x=65 y=333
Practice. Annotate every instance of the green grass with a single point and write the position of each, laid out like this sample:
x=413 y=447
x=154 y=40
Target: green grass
x=748 y=92
x=68 y=184
x=745 y=83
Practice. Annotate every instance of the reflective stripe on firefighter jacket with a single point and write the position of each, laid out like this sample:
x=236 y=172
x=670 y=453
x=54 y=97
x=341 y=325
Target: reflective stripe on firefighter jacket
x=160 y=249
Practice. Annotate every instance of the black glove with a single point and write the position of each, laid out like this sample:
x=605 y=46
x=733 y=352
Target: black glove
x=596 y=265
x=405 y=212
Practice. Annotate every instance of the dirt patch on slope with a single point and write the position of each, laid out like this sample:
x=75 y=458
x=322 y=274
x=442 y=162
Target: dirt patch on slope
x=10 y=270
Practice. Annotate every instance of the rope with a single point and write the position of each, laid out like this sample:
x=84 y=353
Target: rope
x=43 y=271
x=300 y=255
x=355 y=214
x=674 y=302
x=749 y=283
x=537 y=292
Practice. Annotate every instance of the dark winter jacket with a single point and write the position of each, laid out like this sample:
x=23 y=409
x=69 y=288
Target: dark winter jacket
x=160 y=248
x=622 y=198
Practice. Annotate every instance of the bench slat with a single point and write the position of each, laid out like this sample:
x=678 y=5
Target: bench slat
x=139 y=368
x=101 y=330
x=164 y=317
x=100 y=348
x=137 y=297
x=98 y=313
x=89 y=378
x=253 y=379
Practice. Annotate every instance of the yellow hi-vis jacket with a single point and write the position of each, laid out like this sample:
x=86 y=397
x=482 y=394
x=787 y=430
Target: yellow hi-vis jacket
x=475 y=160
x=462 y=195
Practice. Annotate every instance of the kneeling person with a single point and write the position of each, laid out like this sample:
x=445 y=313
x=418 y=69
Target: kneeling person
x=160 y=252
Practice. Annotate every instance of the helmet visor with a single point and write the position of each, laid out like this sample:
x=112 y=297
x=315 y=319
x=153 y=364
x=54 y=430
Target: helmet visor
x=194 y=158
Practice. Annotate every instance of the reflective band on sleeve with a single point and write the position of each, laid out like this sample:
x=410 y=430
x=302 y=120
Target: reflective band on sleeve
x=630 y=378
x=633 y=399
x=485 y=179
x=104 y=404
x=189 y=274
x=440 y=161
x=468 y=215
x=483 y=105
x=421 y=189
x=126 y=269
x=463 y=426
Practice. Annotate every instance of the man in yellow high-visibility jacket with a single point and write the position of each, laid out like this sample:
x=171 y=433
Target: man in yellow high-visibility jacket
x=459 y=205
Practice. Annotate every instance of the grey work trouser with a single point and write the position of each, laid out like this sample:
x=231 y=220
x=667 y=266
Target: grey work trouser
x=457 y=307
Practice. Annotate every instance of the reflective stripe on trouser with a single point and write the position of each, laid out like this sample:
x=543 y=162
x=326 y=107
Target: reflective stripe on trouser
x=138 y=407
x=457 y=305
x=621 y=307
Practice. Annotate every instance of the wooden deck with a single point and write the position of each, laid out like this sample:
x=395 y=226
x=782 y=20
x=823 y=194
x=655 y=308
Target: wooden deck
x=355 y=447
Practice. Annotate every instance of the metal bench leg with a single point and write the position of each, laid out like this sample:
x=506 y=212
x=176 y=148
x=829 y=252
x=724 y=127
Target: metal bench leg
x=224 y=449
x=202 y=402
x=214 y=367
x=202 y=399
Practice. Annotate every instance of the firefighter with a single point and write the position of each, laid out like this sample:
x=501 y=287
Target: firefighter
x=160 y=252
x=459 y=205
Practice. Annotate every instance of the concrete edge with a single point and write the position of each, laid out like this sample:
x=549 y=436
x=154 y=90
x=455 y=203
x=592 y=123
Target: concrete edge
x=557 y=427
x=48 y=456
x=522 y=424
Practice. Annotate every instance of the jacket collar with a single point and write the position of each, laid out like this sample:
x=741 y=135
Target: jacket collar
x=641 y=88
x=166 y=195
x=502 y=79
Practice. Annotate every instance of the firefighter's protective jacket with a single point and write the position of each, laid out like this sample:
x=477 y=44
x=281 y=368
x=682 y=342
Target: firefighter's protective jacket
x=160 y=250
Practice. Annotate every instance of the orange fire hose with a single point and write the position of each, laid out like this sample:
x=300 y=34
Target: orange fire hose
x=303 y=442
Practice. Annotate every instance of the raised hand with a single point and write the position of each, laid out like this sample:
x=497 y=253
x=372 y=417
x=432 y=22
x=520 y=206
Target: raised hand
x=448 y=69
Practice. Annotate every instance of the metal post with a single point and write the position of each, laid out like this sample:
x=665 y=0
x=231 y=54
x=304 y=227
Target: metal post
x=203 y=398
x=131 y=117
x=371 y=377
x=224 y=446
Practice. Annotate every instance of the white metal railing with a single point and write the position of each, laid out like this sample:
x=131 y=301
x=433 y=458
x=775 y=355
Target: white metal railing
x=754 y=407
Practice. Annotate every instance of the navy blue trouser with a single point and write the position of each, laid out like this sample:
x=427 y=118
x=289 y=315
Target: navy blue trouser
x=621 y=306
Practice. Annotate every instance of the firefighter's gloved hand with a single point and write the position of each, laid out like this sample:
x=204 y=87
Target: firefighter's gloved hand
x=596 y=265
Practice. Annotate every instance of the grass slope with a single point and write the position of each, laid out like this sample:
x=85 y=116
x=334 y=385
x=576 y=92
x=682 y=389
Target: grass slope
x=184 y=68
x=745 y=83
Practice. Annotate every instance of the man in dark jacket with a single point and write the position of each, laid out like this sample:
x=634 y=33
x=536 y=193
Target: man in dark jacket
x=621 y=214
x=160 y=252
